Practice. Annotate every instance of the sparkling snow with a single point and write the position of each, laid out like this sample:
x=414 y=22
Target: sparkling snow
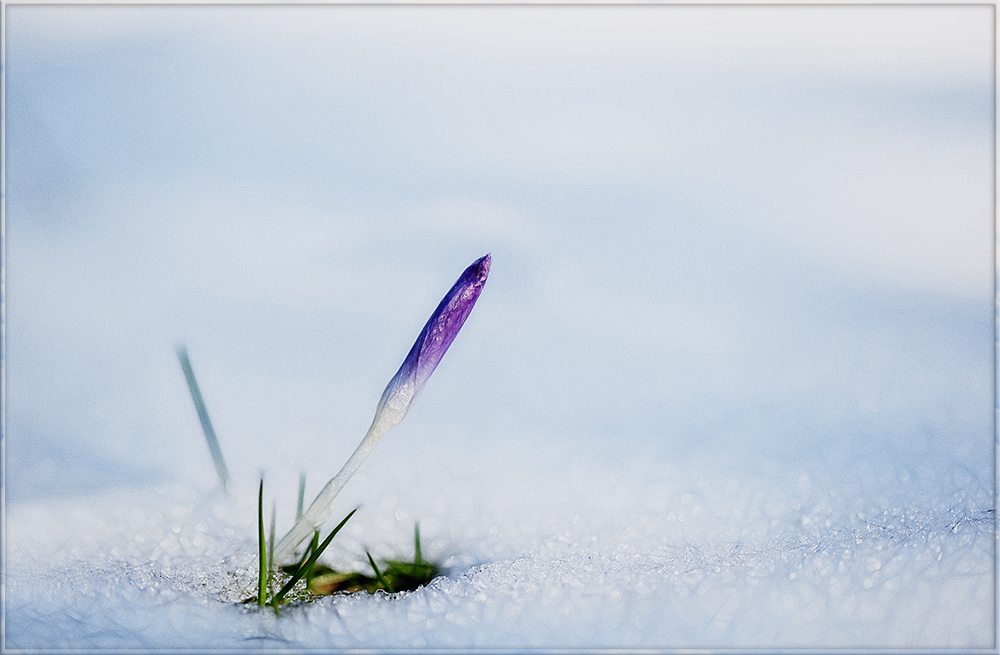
x=582 y=552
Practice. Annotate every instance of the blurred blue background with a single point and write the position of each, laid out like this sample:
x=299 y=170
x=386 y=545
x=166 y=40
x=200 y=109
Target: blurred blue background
x=764 y=233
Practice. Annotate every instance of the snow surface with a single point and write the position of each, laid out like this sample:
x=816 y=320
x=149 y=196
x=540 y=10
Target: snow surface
x=540 y=551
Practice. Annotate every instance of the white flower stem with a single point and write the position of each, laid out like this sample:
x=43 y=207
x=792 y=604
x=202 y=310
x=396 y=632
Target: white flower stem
x=319 y=510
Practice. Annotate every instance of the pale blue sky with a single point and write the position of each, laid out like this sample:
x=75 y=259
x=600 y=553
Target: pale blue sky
x=758 y=228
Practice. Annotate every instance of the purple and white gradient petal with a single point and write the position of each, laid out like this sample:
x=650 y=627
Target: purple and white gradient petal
x=399 y=395
x=438 y=333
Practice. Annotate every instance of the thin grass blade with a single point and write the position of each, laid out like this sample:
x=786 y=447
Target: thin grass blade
x=302 y=495
x=206 y=423
x=261 y=548
x=418 y=558
x=270 y=539
x=378 y=574
x=305 y=556
x=313 y=545
x=278 y=597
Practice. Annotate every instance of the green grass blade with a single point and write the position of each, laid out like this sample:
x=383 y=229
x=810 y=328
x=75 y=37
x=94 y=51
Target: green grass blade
x=278 y=597
x=270 y=538
x=302 y=493
x=378 y=574
x=313 y=545
x=418 y=558
x=309 y=550
x=206 y=424
x=261 y=549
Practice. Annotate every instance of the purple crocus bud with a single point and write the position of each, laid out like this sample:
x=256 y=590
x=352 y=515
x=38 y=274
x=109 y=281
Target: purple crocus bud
x=438 y=333
x=399 y=394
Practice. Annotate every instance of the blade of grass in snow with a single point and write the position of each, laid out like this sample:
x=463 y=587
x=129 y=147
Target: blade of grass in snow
x=278 y=597
x=309 y=551
x=418 y=559
x=313 y=545
x=206 y=424
x=270 y=539
x=261 y=549
x=396 y=575
x=378 y=574
x=399 y=395
x=302 y=494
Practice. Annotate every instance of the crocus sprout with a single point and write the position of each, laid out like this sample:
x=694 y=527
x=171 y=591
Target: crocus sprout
x=399 y=394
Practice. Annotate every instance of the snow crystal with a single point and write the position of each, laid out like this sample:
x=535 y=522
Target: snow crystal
x=588 y=553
